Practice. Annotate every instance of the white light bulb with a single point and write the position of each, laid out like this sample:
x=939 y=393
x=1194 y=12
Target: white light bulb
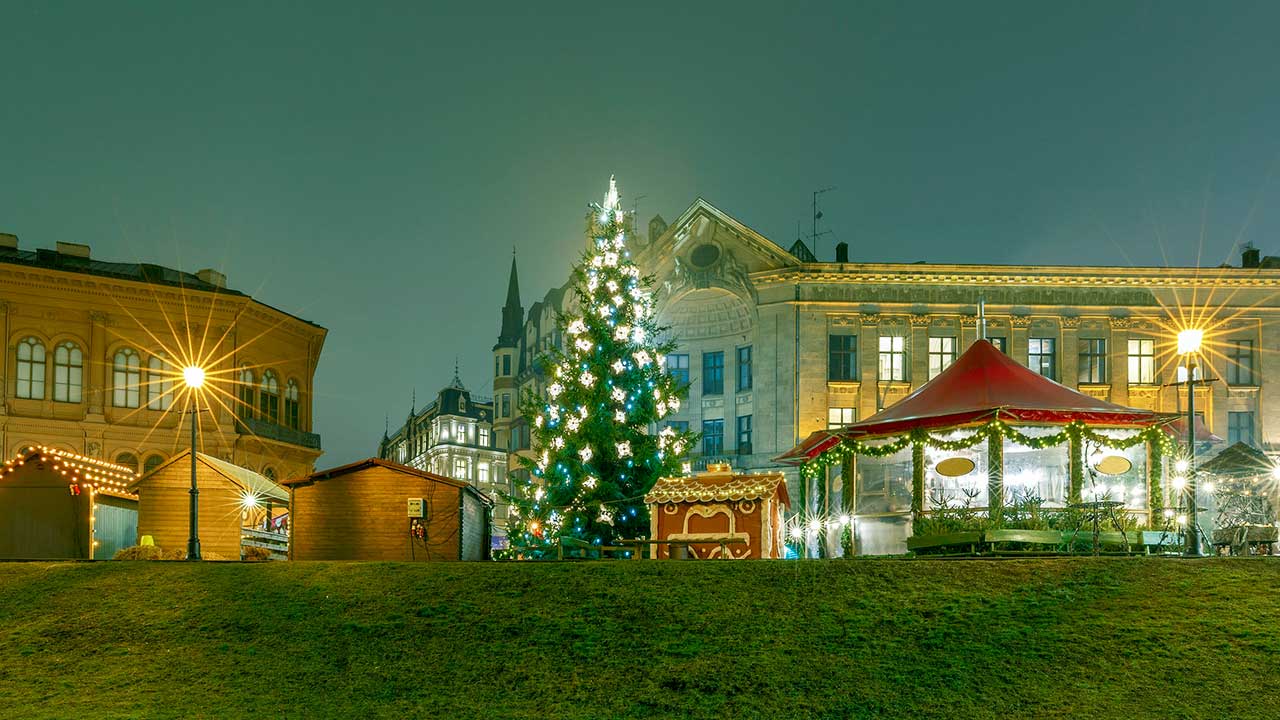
x=1181 y=466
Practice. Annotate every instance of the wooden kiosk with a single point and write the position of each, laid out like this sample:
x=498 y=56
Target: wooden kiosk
x=718 y=504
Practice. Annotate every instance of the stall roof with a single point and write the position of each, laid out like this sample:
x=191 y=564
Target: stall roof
x=982 y=384
x=244 y=478
x=1240 y=460
x=719 y=487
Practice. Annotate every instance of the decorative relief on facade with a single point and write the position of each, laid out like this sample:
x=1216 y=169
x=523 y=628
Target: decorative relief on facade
x=1070 y=322
x=921 y=320
x=969 y=321
x=843 y=320
x=869 y=318
x=1121 y=323
x=1020 y=321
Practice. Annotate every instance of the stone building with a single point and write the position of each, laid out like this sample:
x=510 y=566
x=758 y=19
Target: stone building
x=453 y=437
x=92 y=350
x=775 y=344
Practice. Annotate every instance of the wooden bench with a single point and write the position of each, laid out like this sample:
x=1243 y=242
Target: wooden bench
x=683 y=545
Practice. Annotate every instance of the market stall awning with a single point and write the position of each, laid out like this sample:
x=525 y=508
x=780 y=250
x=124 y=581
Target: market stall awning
x=981 y=385
x=1178 y=429
x=1240 y=460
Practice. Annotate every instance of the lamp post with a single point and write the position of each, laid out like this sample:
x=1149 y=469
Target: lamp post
x=1189 y=345
x=193 y=376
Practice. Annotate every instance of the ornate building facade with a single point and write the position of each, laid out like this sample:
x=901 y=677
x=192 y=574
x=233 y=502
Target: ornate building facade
x=93 y=349
x=774 y=344
x=453 y=436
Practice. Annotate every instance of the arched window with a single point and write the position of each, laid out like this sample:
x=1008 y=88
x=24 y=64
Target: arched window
x=269 y=473
x=244 y=392
x=126 y=380
x=291 y=415
x=269 y=398
x=159 y=383
x=152 y=463
x=128 y=460
x=68 y=373
x=30 y=369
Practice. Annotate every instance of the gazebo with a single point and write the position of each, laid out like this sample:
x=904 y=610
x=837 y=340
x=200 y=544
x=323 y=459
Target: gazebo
x=985 y=434
x=1246 y=491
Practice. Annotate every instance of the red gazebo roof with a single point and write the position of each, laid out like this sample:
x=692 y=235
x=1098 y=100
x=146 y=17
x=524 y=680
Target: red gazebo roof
x=981 y=385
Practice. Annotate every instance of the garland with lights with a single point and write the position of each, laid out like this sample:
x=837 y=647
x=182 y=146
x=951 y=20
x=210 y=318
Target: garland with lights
x=595 y=453
x=1074 y=433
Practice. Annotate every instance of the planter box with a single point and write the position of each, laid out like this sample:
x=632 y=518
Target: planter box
x=1031 y=537
x=961 y=540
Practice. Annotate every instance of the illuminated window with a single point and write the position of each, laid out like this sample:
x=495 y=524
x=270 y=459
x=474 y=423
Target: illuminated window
x=482 y=472
x=291 y=404
x=838 y=417
x=893 y=358
x=159 y=383
x=31 y=360
x=942 y=352
x=1142 y=362
x=269 y=398
x=1042 y=356
x=126 y=380
x=244 y=393
x=460 y=469
x=68 y=373
x=484 y=437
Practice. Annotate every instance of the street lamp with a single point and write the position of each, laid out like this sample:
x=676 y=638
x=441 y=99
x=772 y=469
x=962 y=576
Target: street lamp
x=1189 y=345
x=193 y=376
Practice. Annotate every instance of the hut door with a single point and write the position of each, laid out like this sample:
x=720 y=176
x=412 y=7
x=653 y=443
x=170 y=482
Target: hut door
x=114 y=528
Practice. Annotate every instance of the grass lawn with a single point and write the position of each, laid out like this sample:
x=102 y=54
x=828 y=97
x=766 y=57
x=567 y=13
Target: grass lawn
x=1080 y=638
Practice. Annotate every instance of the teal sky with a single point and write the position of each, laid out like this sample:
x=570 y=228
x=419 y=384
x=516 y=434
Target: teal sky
x=369 y=166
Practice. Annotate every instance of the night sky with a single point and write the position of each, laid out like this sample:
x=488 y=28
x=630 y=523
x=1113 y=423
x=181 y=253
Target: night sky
x=371 y=169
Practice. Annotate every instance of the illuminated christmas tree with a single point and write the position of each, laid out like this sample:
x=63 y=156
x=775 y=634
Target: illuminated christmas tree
x=597 y=436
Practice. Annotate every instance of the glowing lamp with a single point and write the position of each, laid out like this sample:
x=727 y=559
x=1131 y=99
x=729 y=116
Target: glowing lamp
x=249 y=501
x=1181 y=466
x=1275 y=472
x=796 y=532
x=193 y=376
x=1189 y=341
x=1179 y=483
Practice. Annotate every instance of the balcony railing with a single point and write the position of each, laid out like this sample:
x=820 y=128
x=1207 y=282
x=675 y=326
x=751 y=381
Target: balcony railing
x=279 y=433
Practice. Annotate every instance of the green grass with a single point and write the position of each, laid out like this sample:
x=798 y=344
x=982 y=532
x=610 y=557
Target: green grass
x=1081 y=637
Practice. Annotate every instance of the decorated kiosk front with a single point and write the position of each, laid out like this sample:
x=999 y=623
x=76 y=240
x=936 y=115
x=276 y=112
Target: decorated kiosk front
x=990 y=444
x=719 y=511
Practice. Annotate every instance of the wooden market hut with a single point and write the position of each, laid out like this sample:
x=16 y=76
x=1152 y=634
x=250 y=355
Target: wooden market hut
x=719 y=504
x=379 y=510
x=232 y=499
x=1242 y=507
x=57 y=505
x=1011 y=430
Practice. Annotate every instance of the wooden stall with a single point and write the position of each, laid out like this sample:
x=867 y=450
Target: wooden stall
x=232 y=498
x=716 y=505
x=56 y=505
x=379 y=510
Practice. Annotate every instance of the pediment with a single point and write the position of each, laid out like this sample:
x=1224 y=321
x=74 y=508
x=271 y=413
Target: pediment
x=703 y=235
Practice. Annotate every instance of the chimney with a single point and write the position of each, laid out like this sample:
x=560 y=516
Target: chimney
x=8 y=241
x=842 y=252
x=212 y=277
x=73 y=249
x=1250 y=258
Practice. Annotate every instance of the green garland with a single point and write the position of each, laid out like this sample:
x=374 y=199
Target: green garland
x=1073 y=432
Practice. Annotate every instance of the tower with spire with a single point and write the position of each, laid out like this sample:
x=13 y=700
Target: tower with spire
x=506 y=354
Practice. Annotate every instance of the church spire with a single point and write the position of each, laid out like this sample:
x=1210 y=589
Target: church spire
x=512 y=312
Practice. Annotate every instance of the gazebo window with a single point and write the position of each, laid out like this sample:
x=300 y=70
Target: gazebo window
x=126 y=380
x=244 y=394
x=159 y=383
x=31 y=361
x=68 y=373
x=291 y=404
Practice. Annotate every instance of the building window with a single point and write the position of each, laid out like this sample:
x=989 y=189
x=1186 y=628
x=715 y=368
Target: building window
x=269 y=473
x=128 y=460
x=291 y=405
x=1093 y=361
x=1001 y=343
x=31 y=362
x=893 y=358
x=126 y=379
x=484 y=437
x=269 y=398
x=744 y=368
x=460 y=469
x=506 y=405
x=942 y=352
x=159 y=383
x=68 y=373
x=838 y=417
x=245 y=394
x=1240 y=362
x=1240 y=428
x=712 y=437
x=678 y=368
x=506 y=364
x=713 y=373
x=744 y=435
x=1042 y=357
x=152 y=463
x=482 y=472
x=842 y=358
x=678 y=425
x=1142 y=362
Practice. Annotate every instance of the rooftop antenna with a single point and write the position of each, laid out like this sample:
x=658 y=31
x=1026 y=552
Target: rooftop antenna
x=817 y=215
x=635 y=205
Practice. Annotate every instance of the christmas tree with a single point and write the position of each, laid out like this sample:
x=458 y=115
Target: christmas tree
x=596 y=438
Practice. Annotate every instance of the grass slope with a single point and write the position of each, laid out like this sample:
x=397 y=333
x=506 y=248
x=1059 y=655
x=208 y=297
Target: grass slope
x=1123 y=638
